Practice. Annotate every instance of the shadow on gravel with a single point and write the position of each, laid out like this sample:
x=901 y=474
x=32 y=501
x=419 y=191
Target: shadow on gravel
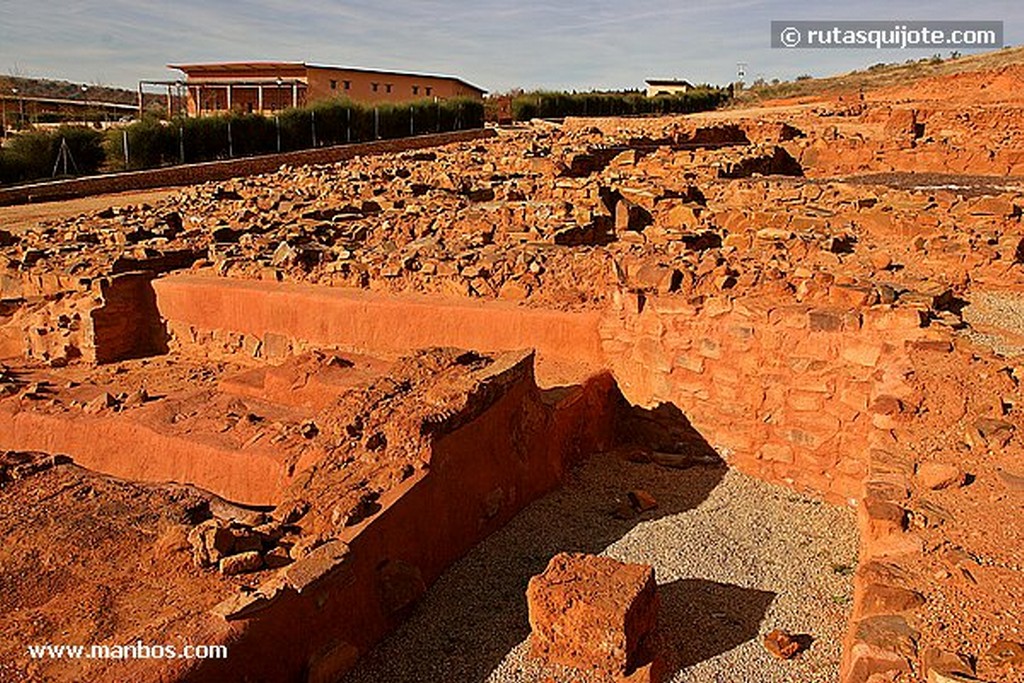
x=698 y=619
x=476 y=613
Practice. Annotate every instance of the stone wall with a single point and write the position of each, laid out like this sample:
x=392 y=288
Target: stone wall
x=110 y=319
x=127 y=324
x=790 y=393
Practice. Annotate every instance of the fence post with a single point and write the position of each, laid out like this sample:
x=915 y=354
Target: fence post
x=124 y=138
x=376 y=123
x=181 y=143
x=231 y=144
x=312 y=125
x=277 y=124
x=458 y=120
x=348 y=124
x=438 y=102
x=412 y=127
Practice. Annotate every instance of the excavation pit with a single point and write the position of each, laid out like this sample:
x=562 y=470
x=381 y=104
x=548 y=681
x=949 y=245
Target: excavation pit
x=734 y=558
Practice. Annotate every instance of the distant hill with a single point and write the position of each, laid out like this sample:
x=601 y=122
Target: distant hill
x=65 y=90
x=882 y=76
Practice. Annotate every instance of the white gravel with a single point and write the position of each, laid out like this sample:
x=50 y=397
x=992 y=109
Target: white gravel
x=1001 y=316
x=734 y=558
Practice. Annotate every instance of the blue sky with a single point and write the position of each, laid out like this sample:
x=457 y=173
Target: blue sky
x=579 y=44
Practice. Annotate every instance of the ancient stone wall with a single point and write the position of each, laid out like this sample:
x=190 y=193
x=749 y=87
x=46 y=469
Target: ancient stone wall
x=788 y=393
x=110 y=319
x=127 y=324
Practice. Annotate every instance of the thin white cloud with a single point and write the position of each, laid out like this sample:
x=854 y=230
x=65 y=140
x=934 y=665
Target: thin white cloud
x=496 y=43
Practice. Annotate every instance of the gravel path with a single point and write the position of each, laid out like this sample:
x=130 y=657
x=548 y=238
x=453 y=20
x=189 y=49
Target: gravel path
x=1000 y=317
x=734 y=558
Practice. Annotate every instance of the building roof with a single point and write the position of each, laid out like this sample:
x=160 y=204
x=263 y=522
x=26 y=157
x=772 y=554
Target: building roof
x=213 y=67
x=667 y=81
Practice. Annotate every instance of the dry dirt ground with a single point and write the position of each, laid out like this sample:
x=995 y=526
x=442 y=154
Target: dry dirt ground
x=19 y=217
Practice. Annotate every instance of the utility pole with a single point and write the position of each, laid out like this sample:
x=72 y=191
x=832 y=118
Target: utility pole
x=179 y=88
x=21 y=109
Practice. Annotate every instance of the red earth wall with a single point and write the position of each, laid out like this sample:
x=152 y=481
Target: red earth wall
x=271 y=319
x=126 y=447
x=479 y=477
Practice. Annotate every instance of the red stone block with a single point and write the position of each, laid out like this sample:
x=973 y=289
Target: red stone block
x=592 y=613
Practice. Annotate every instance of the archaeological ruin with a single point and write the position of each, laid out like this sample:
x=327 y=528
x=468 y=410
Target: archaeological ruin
x=313 y=414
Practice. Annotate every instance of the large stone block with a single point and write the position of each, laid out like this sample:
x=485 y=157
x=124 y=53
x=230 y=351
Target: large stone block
x=592 y=613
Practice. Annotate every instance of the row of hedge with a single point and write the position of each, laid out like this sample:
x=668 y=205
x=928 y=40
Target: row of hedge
x=37 y=154
x=545 y=105
x=335 y=122
x=152 y=142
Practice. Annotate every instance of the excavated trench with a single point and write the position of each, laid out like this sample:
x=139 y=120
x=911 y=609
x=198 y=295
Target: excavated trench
x=733 y=554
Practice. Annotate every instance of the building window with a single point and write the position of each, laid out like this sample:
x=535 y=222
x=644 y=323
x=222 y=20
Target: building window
x=429 y=89
x=334 y=85
x=375 y=86
x=387 y=86
x=347 y=85
x=415 y=90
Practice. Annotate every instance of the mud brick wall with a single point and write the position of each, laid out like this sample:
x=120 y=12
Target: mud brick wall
x=788 y=393
x=191 y=174
x=226 y=317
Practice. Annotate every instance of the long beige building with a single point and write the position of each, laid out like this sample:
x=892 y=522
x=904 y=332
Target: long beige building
x=270 y=86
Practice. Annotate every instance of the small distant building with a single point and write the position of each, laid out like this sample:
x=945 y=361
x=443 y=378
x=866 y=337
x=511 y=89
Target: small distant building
x=667 y=86
x=270 y=86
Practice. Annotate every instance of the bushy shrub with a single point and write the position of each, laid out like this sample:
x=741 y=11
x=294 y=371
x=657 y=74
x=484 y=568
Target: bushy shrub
x=206 y=138
x=86 y=146
x=251 y=134
x=33 y=154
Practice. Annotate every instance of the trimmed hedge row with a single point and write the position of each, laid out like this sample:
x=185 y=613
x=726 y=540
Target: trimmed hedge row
x=543 y=104
x=154 y=143
x=35 y=154
x=32 y=155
